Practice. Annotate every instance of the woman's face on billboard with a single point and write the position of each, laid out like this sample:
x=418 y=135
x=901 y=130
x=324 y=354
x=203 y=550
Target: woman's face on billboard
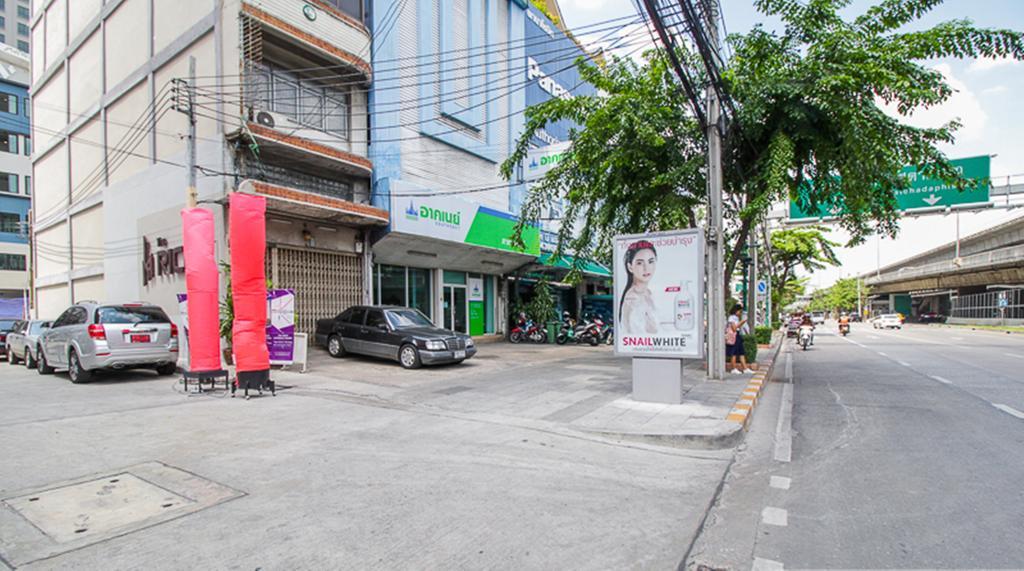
x=642 y=267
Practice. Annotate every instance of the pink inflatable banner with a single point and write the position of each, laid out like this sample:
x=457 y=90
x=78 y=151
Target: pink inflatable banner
x=201 y=282
x=248 y=235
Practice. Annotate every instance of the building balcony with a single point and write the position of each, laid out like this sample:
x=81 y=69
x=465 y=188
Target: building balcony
x=334 y=29
x=308 y=196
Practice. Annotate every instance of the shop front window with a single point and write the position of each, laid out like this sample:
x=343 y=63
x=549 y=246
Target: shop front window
x=392 y=285
x=419 y=290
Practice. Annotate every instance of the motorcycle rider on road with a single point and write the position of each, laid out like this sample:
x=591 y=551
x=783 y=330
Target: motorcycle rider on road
x=844 y=321
x=807 y=324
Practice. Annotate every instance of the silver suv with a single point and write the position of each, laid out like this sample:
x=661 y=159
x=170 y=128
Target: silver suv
x=89 y=336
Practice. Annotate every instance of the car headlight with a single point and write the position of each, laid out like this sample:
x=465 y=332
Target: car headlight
x=469 y=342
x=435 y=345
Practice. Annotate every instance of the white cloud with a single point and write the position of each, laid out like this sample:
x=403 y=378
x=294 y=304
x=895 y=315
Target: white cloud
x=963 y=104
x=995 y=90
x=585 y=5
x=631 y=40
x=985 y=64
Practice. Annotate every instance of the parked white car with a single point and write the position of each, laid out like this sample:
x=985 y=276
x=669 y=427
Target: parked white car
x=886 y=321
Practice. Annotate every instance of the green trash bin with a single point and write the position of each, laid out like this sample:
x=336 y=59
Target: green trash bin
x=553 y=327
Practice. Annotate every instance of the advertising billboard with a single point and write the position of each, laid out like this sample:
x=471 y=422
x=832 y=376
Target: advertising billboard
x=659 y=294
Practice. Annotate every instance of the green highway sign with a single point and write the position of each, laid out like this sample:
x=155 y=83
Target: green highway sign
x=925 y=192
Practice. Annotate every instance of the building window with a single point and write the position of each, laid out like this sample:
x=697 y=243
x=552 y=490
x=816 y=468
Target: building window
x=9 y=103
x=404 y=287
x=28 y=107
x=352 y=8
x=302 y=100
x=28 y=145
x=8 y=142
x=23 y=46
x=10 y=222
x=12 y=262
x=28 y=185
x=3 y=22
x=8 y=182
x=23 y=12
x=22 y=29
x=3 y=5
x=3 y=38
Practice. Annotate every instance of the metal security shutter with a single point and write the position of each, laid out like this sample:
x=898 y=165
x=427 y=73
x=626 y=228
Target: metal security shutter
x=325 y=283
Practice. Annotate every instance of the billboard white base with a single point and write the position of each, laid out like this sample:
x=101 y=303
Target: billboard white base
x=658 y=380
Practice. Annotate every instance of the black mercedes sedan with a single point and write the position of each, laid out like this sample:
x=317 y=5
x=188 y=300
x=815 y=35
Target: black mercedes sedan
x=399 y=333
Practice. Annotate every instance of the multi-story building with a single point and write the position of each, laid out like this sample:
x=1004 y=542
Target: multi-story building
x=280 y=107
x=15 y=23
x=453 y=80
x=15 y=181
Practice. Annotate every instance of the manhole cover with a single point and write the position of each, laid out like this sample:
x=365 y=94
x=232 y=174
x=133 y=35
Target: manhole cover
x=96 y=507
x=63 y=516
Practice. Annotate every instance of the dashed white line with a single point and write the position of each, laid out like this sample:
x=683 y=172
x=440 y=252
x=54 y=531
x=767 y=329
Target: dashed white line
x=941 y=380
x=766 y=565
x=957 y=338
x=775 y=516
x=780 y=482
x=882 y=354
x=905 y=364
x=1015 y=355
x=1009 y=410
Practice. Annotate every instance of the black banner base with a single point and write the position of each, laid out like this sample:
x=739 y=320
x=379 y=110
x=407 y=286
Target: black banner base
x=258 y=380
x=211 y=377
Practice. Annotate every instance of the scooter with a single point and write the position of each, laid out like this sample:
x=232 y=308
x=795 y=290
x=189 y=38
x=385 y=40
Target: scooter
x=586 y=332
x=527 y=330
x=805 y=337
x=844 y=329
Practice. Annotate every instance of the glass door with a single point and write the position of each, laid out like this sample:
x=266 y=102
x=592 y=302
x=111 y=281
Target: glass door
x=455 y=309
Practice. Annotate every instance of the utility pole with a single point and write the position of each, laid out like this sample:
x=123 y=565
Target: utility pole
x=188 y=107
x=860 y=309
x=752 y=248
x=716 y=267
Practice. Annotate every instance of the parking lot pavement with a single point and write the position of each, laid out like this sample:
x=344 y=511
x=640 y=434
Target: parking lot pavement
x=312 y=479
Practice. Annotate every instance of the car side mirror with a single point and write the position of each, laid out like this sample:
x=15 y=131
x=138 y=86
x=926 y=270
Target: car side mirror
x=382 y=326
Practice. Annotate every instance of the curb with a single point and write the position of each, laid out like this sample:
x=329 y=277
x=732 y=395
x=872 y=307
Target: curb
x=743 y=410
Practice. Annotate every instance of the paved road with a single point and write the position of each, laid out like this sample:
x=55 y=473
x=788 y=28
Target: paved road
x=328 y=481
x=907 y=452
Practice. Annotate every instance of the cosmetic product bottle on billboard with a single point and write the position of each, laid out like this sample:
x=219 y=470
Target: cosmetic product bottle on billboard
x=683 y=305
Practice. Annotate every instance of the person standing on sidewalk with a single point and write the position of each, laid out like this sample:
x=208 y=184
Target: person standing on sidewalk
x=734 y=340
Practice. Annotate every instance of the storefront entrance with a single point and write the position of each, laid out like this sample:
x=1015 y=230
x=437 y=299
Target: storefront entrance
x=455 y=308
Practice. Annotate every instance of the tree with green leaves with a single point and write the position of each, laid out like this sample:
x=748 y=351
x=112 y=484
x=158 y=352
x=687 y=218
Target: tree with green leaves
x=807 y=249
x=636 y=162
x=809 y=125
x=840 y=296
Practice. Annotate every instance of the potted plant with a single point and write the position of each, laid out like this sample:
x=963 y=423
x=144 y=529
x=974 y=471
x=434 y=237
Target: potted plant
x=227 y=314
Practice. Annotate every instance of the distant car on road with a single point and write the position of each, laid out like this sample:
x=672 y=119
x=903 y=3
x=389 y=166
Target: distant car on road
x=21 y=342
x=90 y=336
x=887 y=321
x=931 y=317
x=818 y=317
x=401 y=334
x=6 y=326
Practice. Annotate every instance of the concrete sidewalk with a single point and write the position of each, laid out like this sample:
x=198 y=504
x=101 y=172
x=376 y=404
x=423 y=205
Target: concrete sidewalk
x=562 y=389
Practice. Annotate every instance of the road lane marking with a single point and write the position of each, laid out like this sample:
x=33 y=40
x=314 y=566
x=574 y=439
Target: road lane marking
x=904 y=363
x=784 y=427
x=957 y=338
x=1009 y=410
x=766 y=565
x=1015 y=355
x=882 y=354
x=775 y=516
x=780 y=482
x=941 y=380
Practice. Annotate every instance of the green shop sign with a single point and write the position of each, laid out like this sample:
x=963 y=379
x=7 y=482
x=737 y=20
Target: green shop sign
x=925 y=192
x=457 y=220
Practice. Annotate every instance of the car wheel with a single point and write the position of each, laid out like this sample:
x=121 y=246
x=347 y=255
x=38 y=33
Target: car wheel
x=335 y=348
x=12 y=359
x=409 y=357
x=166 y=369
x=43 y=368
x=30 y=362
x=75 y=370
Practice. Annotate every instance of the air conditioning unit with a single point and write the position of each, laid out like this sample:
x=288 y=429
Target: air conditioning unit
x=278 y=121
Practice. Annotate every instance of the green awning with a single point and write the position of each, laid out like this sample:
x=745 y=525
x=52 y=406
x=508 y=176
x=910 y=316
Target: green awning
x=588 y=267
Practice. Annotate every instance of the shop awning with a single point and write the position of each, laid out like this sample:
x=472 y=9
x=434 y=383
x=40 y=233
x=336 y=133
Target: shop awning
x=564 y=262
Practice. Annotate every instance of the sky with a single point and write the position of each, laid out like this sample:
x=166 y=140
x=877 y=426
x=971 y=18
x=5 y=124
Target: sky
x=986 y=101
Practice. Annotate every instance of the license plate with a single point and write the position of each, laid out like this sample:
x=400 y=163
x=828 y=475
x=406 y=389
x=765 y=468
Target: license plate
x=460 y=354
x=140 y=338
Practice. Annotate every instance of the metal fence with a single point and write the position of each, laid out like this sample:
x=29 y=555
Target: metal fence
x=1004 y=304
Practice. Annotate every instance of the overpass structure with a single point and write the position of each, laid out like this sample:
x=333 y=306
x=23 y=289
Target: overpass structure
x=978 y=279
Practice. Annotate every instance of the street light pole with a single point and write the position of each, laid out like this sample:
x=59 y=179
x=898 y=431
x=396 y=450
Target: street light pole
x=716 y=268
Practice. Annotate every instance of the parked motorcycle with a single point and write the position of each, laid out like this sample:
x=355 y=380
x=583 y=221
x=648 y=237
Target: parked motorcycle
x=526 y=330
x=589 y=331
